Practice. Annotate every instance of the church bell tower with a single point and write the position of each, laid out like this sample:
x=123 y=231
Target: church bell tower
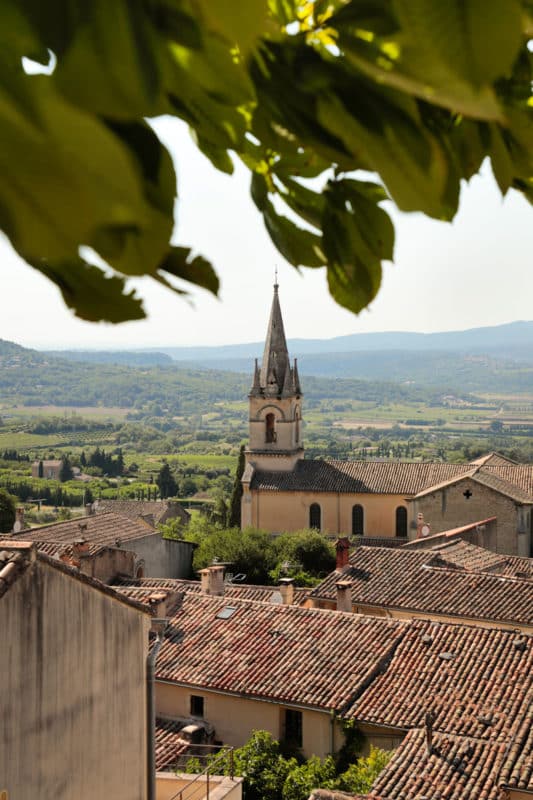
x=275 y=403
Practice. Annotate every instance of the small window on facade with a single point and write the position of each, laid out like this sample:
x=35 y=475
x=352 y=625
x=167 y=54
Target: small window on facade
x=197 y=706
x=401 y=521
x=358 y=521
x=315 y=516
x=140 y=572
x=270 y=428
x=297 y=427
x=293 y=727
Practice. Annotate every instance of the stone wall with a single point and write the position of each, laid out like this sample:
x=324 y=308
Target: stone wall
x=466 y=502
x=72 y=693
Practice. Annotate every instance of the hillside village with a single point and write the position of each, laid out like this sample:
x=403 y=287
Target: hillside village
x=120 y=666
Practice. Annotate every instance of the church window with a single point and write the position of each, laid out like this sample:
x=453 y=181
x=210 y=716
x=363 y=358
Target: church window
x=297 y=426
x=358 y=521
x=270 y=428
x=401 y=521
x=315 y=515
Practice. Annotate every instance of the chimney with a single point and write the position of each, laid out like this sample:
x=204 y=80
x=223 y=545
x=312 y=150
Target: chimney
x=342 y=548
x=213 y=580
x=286 y=590
x=18 y=525
x=158 y=604
x=423 y=529
x=344 y=596
x=80 y=546
x=429 y=719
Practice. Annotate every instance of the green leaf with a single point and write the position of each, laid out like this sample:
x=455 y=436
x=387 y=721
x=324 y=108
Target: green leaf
x=238 y=23
x=113 y=64
x=89 y=293
x=197 y=270
x=411 y=162
x=64 y=174
x=298 y=246
x=357 y=235
x=502 y=165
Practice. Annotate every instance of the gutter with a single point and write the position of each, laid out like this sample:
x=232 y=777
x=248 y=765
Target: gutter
x=159 y=626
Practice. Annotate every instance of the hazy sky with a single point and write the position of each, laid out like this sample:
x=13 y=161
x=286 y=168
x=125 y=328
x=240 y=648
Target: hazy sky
x=478 y=271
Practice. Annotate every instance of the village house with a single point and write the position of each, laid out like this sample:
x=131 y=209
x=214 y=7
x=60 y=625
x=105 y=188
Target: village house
x=155 y=556
x=282 y=491
x=302 y=673
x=73 y=666
x=49 y=469
x=154 y=512
x=455 y=581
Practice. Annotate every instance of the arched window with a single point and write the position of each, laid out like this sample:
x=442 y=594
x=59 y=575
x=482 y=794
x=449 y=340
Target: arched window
x=358 y=521
x=401 y=521
x=315 y=516
x=270 y=428
x=297 y=426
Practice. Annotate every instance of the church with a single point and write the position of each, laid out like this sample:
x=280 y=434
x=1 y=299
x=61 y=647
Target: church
x=284 y=491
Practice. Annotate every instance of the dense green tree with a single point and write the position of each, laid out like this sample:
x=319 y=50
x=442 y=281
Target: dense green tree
x=306 y=550
x=269 y=775
x=65 y=472
x=236 y=495
x=166 y=482
x=7 y=512
x=249 y=552
x=415 y=91
x=41 y=469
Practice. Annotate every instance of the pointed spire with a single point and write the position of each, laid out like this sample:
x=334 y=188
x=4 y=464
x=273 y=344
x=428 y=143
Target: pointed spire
x=288 y=381
x=256 y=385
x=296 y=378
x=275 y=355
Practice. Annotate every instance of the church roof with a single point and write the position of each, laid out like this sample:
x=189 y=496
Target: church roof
x=365 y=477
x=395 y=477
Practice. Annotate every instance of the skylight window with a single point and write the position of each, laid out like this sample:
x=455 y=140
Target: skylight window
x=227 y=612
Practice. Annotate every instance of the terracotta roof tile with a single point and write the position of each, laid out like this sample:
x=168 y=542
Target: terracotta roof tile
x=102 y=529
x=244 y=591
x=12 y=563
x=154 y=509
x=169 y=746
x=320 y=659
x=475 y=680
x=383 y=477
x=458 y=768
x=432 y=581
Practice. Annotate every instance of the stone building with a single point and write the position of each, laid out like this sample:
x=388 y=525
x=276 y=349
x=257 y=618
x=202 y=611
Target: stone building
x=73 y=688
x=283 y=491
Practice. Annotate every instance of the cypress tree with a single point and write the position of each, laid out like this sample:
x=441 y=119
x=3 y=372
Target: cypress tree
x=7 y=512
x=236 y=495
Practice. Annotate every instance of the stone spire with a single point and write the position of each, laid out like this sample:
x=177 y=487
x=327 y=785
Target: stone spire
x=275 y=364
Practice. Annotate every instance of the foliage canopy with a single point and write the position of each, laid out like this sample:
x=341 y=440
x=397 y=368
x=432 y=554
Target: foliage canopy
x=414 y=91
x=7 y=512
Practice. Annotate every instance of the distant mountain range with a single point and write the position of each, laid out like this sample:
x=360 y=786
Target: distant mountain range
x=497 y=358
x=512 y=340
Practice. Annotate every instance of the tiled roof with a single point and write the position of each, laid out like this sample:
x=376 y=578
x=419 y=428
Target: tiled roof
x=102 y=529
x=421 y=581
x=457 y=768
x=463 y=555
x=381 y=477
x=244 y=591
x=397 y=477
x=320 y=659
x=517 y=771
x=476 y=681
x=155 y=509
x=57 y=549
x=168 y=744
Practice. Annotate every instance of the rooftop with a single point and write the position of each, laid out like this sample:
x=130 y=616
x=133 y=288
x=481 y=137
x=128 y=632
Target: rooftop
x=476 y=681
x=398 y=477
x=244 y=591
x=437 y=581
x=102 y=529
